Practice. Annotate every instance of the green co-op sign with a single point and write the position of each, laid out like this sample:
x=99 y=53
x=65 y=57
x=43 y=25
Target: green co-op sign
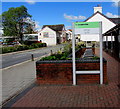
x=86 y=27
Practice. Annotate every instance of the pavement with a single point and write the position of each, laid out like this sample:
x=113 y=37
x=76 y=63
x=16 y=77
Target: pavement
x=90 y=95
x=16 y=78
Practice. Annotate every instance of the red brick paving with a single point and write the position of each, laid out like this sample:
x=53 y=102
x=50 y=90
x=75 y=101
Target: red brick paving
x=76 y=96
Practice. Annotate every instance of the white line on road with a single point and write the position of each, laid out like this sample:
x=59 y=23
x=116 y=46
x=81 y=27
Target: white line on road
x=19 y=56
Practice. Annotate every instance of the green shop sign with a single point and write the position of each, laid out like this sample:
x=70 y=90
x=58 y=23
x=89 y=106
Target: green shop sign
x=86 y=27
x=86 y=24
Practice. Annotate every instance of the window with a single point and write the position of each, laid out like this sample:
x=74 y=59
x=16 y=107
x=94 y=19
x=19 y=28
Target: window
x=45 y=34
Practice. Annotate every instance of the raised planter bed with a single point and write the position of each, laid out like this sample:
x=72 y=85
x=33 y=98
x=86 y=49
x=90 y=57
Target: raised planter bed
x=60 y=71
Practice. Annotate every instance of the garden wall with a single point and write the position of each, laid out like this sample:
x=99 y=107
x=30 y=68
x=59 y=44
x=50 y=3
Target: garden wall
x=60 y=71
x=81 y=51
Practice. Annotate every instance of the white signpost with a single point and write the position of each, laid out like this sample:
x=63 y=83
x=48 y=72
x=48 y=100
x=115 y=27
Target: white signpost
x=87 y=28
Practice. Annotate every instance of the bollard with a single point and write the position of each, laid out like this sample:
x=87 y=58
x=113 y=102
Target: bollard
x=51 y=52
x=32 y=57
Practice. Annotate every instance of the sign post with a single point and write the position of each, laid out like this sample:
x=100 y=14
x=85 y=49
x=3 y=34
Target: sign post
x=87 y=28
x=73 y=54
x=101 y=54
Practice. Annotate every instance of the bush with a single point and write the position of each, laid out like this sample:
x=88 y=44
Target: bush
x=60 y=55
x=8 y=49
x=31 y=47
x=26 y=47
x=22 y=47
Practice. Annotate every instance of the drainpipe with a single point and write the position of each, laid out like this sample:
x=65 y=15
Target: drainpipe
x=107 y=43
x=111 y=43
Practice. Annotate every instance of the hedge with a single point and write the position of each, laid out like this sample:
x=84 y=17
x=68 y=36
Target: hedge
x=21 y=47
x=60 y=55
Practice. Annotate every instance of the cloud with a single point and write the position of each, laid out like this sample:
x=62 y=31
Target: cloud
x=116 y=3
x=72 y=17
x=110 y=15
x=30 y=2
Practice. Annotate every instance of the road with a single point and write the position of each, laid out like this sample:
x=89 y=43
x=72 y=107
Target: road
x=12 y=59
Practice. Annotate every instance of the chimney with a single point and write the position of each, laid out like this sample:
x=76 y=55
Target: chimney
x=98 y=8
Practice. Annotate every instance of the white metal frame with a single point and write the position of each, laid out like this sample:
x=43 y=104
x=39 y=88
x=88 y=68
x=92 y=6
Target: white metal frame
x=73 y=54
x=101 y=57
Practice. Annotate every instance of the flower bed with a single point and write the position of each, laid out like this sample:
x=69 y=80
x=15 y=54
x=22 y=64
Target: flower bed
x=60 y=71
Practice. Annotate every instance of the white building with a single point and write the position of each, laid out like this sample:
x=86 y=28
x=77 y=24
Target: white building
x=107 y=24
x=30 y=37
x=52 y=34
x=69 y=34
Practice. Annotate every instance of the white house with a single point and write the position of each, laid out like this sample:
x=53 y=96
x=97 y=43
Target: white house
x=107 y=24
x=69 y=34
x=52 y=34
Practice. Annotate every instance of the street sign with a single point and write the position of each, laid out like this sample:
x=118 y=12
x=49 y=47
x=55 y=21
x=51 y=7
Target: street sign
x=86 y=27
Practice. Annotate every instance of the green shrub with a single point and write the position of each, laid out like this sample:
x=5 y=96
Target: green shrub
x=8 y=49
x=26 y=47
x=31 y=47
x=35 y=45
x=60 y=55
x=21 y=47
x=44 y=44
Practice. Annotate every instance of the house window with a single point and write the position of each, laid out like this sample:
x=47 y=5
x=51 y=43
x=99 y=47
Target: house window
x=45 y=34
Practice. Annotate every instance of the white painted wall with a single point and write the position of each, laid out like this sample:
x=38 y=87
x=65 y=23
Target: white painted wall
x=106 y=25
x=91 y=37
x=97 y=9
x=51 y=40
x=69 y=34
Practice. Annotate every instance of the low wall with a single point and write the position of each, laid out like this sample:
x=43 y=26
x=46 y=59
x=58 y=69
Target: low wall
x=60 y=71
x=81 y=51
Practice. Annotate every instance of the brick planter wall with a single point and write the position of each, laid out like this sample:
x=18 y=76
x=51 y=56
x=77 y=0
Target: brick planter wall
x=81 y=51
x=60 y=71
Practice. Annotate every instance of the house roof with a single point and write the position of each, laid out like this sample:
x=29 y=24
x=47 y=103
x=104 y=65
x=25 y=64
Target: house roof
x=113 y=30
x=55 y=27
x=70 y=30
x=114 y=20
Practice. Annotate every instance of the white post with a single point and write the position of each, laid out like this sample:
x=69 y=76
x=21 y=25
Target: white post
x=101 y=54
x=73 y=54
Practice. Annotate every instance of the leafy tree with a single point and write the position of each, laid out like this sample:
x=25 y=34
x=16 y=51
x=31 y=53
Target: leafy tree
x=15 y=21
x=30 y=26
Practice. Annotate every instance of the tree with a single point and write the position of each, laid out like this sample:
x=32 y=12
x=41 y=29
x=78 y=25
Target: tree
x=30 y=26
x=14 y=21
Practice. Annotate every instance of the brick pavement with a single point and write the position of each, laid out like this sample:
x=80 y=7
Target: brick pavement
x=92 y=95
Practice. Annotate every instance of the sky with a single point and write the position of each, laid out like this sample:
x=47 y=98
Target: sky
x=51 y=13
